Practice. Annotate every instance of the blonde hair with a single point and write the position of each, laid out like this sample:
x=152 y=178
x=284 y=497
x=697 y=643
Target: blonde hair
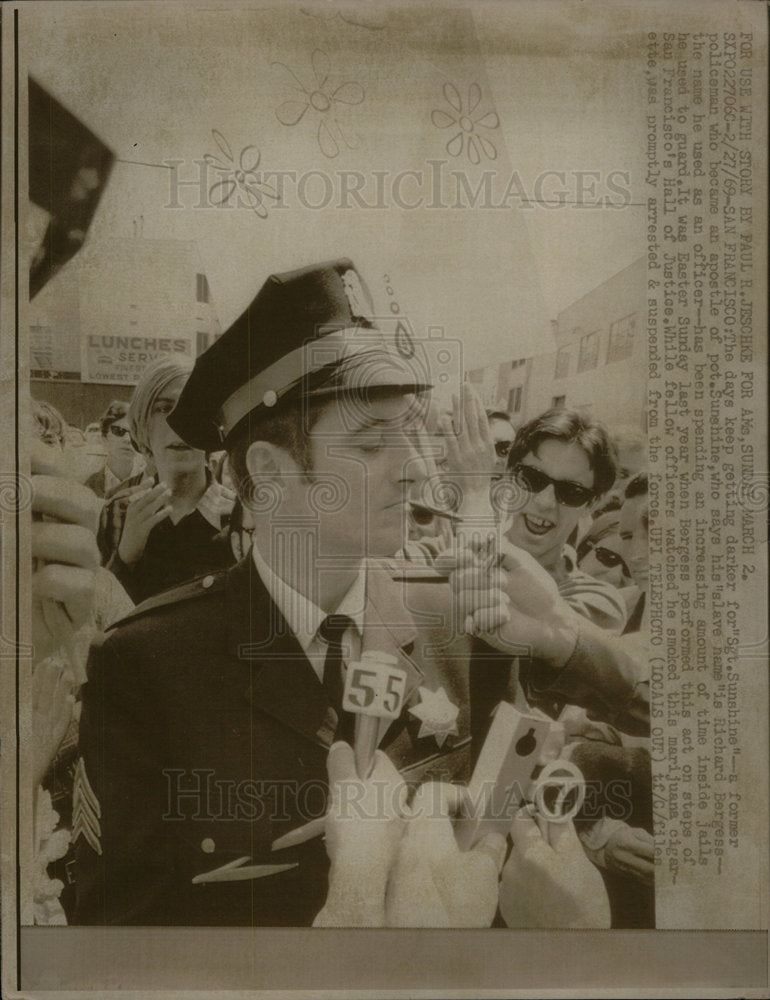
x=49 y=423
x=153 y=382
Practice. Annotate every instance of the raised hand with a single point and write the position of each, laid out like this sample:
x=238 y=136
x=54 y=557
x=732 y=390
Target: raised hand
x=548 y=882
x=146 y=508
x=364 y=824
x=631 y=851
x=468 y=442
x=64 y=557
x=52 y=706
x=434 y=883
x=396 y=865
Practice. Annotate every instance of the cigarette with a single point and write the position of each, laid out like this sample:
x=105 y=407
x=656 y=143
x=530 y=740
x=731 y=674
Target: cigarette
x=436 y=511
x=419 y=574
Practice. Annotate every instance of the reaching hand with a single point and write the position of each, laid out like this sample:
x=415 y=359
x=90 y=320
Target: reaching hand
x=146 y=508
x=52 y=705
x=65 y=555
x=531 y=588
x=481 y=600
x=516 y=607
x=548 y=882
x=364 y=824
x=631 y=851
x=365 y=817
x=434 y=884
x=399 y=866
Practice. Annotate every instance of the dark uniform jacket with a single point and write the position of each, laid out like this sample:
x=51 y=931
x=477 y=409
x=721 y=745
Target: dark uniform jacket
x=204 y=736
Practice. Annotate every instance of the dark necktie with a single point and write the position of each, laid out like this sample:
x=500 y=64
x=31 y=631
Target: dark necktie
x=332 y=629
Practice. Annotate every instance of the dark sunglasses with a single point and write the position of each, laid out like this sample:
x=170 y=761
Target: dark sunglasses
x=502 y=448
x=567 y=493
x=609 y=558
x=119 y=432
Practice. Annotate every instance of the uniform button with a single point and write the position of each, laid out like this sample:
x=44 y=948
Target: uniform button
x=208 y=845
x=207 y=581
x=270 y=398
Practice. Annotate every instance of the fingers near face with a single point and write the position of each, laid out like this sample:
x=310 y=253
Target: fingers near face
x=69 y=544
x=69 y=586
x=66 y=501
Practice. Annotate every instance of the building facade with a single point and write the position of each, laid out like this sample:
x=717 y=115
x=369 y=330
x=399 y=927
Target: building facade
x=599 y=365
x=109 y=313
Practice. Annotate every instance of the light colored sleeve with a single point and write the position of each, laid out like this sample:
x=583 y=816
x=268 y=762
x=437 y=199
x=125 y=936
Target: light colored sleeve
x=596 y=600
x=112 y=601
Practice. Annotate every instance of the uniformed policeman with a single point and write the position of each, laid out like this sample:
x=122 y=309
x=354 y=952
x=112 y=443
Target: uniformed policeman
x=209 y=712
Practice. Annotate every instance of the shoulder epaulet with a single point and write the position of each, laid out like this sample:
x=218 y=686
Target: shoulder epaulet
x=210 y=583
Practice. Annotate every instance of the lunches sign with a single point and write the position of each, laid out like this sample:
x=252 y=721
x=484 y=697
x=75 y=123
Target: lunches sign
x=120 y=360
x=141 y=300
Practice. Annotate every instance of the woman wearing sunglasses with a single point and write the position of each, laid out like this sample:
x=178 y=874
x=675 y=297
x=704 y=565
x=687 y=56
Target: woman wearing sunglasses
x=122 y=460
x=600 y=551
x=574 y=669
x=560 y=464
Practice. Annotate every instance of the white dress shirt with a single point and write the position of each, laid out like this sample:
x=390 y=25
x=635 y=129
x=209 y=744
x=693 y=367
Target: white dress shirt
x=215 y=503
x=304 y=617
x=111 y=481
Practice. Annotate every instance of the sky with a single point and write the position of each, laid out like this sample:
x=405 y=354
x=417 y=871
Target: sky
x=554 y=101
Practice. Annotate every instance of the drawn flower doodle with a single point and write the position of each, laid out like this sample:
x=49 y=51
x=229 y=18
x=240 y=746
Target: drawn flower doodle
x=468 y=137
x=324 y=101
x=241 y=177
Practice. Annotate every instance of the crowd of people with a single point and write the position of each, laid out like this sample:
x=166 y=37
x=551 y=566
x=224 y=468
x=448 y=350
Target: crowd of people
x=256 y=526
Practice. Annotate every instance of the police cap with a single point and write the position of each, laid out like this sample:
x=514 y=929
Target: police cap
x=309 y=332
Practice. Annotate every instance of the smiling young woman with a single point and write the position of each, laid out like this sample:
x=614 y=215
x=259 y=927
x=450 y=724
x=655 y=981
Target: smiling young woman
x=561 y=464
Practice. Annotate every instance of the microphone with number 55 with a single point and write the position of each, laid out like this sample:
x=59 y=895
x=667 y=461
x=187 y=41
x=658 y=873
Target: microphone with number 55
x=374 y=690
